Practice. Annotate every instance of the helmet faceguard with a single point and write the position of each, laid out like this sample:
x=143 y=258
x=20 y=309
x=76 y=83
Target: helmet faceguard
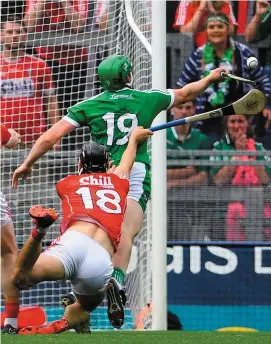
x=93 y=158
x=115 y=72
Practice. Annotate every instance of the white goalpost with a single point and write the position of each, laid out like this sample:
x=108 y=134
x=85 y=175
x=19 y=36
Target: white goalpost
x=136 y=28
x=159 y=176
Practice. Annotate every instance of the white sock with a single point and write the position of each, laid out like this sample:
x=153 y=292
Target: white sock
x=11 y=321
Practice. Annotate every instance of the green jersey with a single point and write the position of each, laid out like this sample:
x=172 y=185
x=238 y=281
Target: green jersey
x=195 y=140
x=225 y=144
x=111 y=116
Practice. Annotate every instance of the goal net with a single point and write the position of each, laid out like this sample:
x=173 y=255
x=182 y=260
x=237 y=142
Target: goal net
x=64 y=44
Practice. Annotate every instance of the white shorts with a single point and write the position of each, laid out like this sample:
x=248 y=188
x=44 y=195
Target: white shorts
x=87 y=264
x=4 y=210
x=140 y=184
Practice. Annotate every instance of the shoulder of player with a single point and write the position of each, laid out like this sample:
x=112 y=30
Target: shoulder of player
x=67 y=179
x=154 y=90
x=88 y=101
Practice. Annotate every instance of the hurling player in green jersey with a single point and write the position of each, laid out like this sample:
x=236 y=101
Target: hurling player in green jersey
x=111 y=116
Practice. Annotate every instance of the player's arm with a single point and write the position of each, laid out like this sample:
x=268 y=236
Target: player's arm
x=44 y=143
x=194 y=89
x=139 y=135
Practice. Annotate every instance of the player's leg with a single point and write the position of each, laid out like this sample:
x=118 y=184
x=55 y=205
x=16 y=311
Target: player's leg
x=11 y=294
x=76 y=315
x=136 y=204
x=68 y=300
x=137 y=198
x=131 y=226
x=91 y=279
x=92 y=271
x=115 y=296
x=30 y=267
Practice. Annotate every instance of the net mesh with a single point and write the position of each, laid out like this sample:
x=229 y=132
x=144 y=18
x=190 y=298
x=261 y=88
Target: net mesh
x=64 y=45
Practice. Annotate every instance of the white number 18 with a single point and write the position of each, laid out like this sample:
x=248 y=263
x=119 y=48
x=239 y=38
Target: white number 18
x=85 y=193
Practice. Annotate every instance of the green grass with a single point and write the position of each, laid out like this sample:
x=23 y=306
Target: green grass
x=167 y=337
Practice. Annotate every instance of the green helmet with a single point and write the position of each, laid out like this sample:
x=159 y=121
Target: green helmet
x=113 y=72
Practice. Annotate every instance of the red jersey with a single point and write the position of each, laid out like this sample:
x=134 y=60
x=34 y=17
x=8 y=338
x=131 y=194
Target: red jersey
x=24 y=83
x=54 y=19
x=186 y=11
x=99 y=198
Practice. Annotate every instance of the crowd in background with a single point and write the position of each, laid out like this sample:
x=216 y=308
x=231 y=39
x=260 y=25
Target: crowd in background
x=222 y=32
x=39 y=83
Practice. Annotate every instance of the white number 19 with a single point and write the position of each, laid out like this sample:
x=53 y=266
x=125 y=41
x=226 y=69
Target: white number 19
x=109 y=117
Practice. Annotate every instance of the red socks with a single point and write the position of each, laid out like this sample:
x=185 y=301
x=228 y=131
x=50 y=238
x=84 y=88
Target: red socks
x=11 y=313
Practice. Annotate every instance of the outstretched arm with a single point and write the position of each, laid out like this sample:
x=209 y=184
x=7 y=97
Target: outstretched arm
x=139 y=135
x=44 y=143
x=194 y=89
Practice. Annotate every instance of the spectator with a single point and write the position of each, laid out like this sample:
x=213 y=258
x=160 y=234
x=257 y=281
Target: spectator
x=192 y=224
x=220 y=50
x=238 y=138
x=258 y=30
x=191 y=16
x=181 y=138
x=141 y=322
x=68 y=62
x=26 y=84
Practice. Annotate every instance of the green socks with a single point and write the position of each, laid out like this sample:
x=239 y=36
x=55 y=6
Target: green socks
x=119 y=276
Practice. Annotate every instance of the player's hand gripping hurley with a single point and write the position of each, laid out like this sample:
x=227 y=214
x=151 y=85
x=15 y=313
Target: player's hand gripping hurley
x=251 y=104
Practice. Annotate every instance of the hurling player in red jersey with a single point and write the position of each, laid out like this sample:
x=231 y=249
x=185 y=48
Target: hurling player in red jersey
x=93 y=205
x=9 y=138
x=28 y=100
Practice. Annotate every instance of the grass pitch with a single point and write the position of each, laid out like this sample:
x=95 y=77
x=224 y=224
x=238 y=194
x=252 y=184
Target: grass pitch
x=132 y=337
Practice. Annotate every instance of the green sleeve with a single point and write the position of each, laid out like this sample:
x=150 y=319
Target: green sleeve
x=264 y=28
x=160 y=100
x=77 y=114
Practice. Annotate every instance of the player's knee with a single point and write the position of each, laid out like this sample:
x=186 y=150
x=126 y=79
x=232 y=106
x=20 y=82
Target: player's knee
x=20 y=281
